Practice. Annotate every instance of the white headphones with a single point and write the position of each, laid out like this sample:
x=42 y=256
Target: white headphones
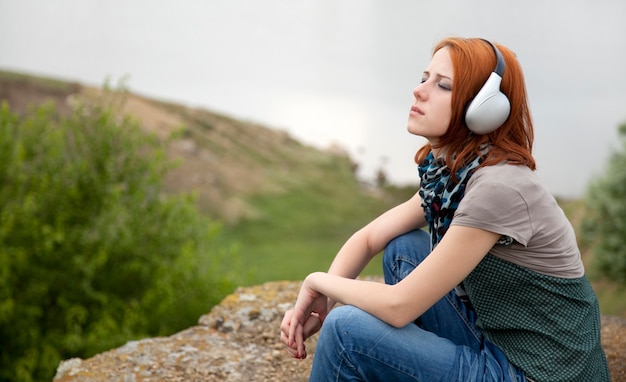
x=490 y=107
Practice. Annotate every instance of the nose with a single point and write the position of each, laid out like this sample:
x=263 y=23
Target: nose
x=419 y=91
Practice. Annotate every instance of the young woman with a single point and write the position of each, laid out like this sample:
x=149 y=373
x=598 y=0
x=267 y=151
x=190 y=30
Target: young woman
x=495 y=290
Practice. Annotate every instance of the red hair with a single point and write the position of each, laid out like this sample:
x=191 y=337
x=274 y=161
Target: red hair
x=473 y=61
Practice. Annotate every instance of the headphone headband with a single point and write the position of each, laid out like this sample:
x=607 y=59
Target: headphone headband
x=500 y=65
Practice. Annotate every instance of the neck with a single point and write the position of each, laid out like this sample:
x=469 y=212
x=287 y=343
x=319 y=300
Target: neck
x=438 y=152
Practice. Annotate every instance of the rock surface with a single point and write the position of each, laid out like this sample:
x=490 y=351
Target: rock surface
x=239 y=341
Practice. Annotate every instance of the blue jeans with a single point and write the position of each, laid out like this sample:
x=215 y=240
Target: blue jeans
x=442 y=345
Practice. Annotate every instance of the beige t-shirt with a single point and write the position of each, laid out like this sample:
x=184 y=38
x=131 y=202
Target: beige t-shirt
x=509 y=200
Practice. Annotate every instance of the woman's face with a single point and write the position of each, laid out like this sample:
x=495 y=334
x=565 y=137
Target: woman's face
x=431 y=111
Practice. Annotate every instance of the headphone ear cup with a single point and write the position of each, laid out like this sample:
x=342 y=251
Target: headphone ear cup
x=489 y=109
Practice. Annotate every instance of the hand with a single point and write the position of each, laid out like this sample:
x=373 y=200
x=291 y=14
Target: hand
x=311 y=326
x=304 y=320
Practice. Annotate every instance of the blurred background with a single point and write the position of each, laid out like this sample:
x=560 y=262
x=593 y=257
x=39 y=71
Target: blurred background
x=338 y=72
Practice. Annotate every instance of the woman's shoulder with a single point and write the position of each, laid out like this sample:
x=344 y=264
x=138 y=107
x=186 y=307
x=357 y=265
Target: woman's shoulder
x=505 y=170
x=518 y=177
x=508 y=184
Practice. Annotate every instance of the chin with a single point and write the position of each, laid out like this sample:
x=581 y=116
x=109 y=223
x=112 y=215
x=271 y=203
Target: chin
x=413 y=130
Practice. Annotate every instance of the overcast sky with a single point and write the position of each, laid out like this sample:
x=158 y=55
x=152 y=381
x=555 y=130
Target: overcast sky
x=339 y=71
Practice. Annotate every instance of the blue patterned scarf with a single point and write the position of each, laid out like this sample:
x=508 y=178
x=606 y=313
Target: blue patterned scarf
x=440 y=195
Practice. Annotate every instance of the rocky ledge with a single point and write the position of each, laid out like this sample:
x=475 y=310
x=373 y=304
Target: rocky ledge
x=238 y=341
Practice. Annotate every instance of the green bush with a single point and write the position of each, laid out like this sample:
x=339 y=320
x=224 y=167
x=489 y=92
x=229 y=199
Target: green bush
x=92 y=254
x=604 y=226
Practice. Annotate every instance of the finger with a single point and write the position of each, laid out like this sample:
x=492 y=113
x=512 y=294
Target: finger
x=284 y=325
x=291 y=350
x=295 y=336
x=284 y=338
x=300 y=341
x=292 y=331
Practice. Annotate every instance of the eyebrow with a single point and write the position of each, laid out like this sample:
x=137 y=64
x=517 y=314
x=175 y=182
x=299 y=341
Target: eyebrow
x=438 y=75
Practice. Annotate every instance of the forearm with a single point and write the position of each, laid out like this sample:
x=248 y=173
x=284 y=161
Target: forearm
x=375 y=298
x=352 y=258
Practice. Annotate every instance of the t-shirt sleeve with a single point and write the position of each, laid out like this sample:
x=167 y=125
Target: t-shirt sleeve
x=497 y=207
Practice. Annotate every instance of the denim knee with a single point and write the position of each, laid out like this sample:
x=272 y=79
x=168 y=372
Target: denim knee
x=404 y=253
x=407 y=244
x=337 y=317
x=336 y=323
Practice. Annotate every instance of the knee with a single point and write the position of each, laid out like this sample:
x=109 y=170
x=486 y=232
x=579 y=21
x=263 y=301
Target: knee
x=411 y=245
x=343 y=319
x=338 y=316
x=411 y=238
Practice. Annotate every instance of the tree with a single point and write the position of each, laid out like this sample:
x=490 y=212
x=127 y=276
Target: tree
x=92 y=253
x=604 y=227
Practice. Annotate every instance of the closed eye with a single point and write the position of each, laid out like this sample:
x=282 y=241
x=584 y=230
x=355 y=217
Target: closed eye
x=442 y=84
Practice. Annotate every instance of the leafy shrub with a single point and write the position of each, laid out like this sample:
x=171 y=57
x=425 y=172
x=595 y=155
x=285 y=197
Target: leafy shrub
x=92 y=253
x=604 y=227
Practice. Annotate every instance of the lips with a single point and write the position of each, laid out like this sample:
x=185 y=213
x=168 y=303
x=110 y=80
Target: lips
x=416 y=110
